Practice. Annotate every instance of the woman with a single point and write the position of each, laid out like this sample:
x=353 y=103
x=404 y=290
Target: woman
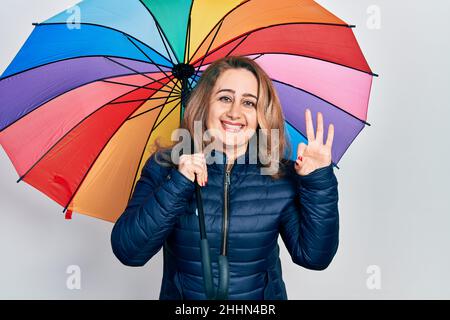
x=245 y=210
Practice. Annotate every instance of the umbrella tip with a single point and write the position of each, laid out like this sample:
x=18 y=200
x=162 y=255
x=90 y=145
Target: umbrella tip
x=352 y=26
x=68 y=215
x=35 y=23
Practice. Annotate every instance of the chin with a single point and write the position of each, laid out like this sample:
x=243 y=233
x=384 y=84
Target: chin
x=231 y=139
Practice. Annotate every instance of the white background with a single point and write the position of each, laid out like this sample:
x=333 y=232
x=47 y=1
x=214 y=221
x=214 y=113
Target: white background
x=393 y=181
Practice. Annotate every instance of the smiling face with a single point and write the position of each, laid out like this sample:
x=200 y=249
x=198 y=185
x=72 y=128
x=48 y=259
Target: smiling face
x=232 y=109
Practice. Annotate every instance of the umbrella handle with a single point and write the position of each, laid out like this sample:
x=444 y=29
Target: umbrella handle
x=222 y=291
x=224 y=276
x=204 y=247
x=210 y=291
x=207 y=273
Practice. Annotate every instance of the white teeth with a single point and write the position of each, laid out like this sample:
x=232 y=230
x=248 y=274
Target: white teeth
x=233 y=128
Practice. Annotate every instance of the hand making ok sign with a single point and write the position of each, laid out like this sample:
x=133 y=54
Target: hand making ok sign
x=316 y=154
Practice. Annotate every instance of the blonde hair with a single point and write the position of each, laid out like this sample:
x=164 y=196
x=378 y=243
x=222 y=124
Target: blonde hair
x=268 y=110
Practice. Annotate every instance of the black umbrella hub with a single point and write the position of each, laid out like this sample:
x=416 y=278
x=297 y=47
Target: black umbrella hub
x=183 y=71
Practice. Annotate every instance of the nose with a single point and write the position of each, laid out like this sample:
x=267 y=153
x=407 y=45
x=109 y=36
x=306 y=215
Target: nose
x=235 y=110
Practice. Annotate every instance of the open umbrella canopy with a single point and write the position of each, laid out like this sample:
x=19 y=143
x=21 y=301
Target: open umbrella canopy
x=92 y=88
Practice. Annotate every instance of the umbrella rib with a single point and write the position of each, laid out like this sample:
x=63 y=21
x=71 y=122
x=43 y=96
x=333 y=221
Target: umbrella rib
x=74 y=58
x=188 y=33
x=132 y=85
x=159 y=26
x=240 y=42
x=189 y=82
x=95 y=160
x=164 y=43
x=266 y=27
x=152 y=61
x=189 y=85
x=75 y=126
x=55 y=97
x=334 y=164
x=209 y=47
x=223 y=18
x=332 y=104
x=353 y=139
x=137 y=72
x=106 y=27
x=282 y=24
x=142 y=154
x=153 y=108
x=225 y=55
x=178 y=103
x=318 y=59
x=137 y=100
x=259 y=56
x=204 y=57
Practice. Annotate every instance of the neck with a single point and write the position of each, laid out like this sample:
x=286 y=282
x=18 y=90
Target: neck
x=233 y=153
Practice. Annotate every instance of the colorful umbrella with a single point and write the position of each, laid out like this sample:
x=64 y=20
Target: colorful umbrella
x=92 y=87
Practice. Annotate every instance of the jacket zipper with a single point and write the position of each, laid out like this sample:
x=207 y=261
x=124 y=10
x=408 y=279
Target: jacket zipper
x=225 y=209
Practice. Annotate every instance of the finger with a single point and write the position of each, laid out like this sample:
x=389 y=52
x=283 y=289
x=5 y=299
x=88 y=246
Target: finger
x=182 y=159
x=200 y=159
x=204 y=176
x=319 y=133
x=309 y=125
x=300 y=151
x=199 y=154
x=205 y=170
x=330 y=136
x=185 y=161
x=201 y=177
x=197 y=171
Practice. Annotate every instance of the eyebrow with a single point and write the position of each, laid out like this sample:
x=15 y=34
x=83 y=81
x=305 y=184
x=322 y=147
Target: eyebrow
x=232 y=91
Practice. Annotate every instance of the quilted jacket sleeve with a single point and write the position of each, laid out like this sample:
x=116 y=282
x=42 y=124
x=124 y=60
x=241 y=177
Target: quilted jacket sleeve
x=310 y=226
x=160 y=196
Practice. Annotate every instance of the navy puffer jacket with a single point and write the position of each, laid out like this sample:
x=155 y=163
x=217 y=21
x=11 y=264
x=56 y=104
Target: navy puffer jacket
x=162 y=213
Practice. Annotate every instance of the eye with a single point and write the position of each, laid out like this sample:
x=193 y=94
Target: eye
x=224 y=97
x=250 y=103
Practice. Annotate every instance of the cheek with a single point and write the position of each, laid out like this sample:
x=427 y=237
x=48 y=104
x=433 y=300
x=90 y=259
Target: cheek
x=252 y=121
x=213 y=116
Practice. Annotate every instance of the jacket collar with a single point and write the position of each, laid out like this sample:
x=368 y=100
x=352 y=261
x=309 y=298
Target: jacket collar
x=217 y=160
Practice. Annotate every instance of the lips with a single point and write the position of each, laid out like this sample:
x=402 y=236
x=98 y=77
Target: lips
x=231 y=126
